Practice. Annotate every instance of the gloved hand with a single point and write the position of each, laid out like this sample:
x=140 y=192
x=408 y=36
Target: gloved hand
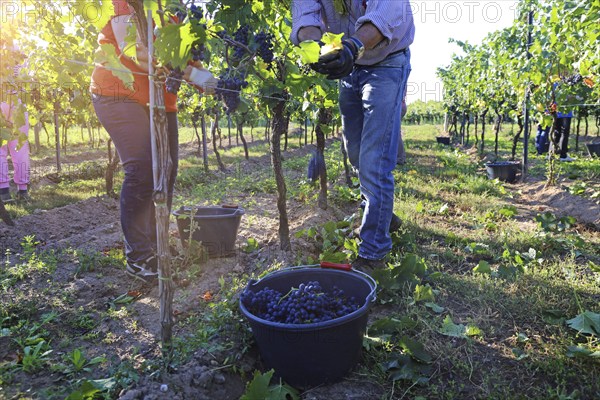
x=338 y=64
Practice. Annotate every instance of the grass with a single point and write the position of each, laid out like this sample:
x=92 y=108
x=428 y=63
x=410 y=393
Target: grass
x=500 y=333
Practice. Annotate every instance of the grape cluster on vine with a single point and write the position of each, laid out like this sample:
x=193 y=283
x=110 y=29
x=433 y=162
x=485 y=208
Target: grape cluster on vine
x=265 y=46
x=308 y=303
x=228 y=89
x=173 y=82
x=241 y=36
x=572 y=79
x=196 y=13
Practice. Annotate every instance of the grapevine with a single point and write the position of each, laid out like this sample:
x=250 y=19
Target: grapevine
x=308 y=303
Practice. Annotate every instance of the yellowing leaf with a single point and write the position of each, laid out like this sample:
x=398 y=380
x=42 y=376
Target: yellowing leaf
x=331 y=42
x=309 y=51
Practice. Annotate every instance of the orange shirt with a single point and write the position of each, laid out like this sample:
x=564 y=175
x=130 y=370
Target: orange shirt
x=104 y=83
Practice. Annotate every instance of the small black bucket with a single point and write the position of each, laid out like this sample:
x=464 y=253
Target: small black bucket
x=217 y=227
x=505 y=171
x=443 y=139
x=593 y=149
x=307 y=355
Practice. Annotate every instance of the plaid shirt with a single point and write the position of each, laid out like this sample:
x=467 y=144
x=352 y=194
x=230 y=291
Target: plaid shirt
x=393 y=18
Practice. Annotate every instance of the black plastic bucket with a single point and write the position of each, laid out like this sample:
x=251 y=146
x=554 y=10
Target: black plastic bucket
x=593 y=149
x=443 y=140
x=307 y=355
x=505 y=171
x=217 y=227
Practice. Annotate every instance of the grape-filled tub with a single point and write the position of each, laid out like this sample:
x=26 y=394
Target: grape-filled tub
x=313 y=353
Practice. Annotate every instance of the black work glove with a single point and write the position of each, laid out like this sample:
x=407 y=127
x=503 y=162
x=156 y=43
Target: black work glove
x=338 y=64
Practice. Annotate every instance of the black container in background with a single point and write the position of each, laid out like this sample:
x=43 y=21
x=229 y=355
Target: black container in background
x=443 y=140
x=505 y=171
x=593 y=149
x=217 y=227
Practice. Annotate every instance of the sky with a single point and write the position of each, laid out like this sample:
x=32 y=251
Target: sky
x=436 y=21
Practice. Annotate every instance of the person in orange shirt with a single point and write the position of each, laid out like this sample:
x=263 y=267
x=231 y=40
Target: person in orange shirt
x=124 y=113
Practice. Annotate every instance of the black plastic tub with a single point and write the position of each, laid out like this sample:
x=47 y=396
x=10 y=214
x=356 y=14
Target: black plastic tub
x=216 y=228
x=443 y=140
x=505 y=171
x=307 y=355
x=593 y=149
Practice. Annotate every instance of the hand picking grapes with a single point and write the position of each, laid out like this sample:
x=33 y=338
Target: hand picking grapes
x=339 y=63
x=373 y=66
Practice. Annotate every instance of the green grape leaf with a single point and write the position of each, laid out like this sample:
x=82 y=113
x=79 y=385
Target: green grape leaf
x=308 y=51
x=449 y=328
x=131 y=40
x=174 y=44
x=258 y=388
x=423 y=293
x=483 y=268
x=587 y=322
x=107 y=55
x=434 y=307
x=415 y=349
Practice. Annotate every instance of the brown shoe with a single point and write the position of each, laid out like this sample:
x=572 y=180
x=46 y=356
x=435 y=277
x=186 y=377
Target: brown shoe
x=368 y=266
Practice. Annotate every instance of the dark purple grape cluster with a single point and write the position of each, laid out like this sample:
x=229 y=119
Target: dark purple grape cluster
x=199 y=52
x=196 y=13
x=241 y=36
x=308 y=303
x=173 y=81
x=265 y=43
x=572 y=79
x=228 y=89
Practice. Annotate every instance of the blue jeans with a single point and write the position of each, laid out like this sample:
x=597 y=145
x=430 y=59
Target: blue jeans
x=128 y=125
x=370 y=103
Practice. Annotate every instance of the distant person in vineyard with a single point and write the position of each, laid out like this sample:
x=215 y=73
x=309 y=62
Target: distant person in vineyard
x=124 y=113
x=373 y=68
x=13 y=111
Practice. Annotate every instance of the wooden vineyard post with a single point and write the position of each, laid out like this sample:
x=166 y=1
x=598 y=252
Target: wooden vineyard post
x=161 y=167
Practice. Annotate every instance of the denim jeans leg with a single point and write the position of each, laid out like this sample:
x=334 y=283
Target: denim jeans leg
x=128 y=125
x=373 y=95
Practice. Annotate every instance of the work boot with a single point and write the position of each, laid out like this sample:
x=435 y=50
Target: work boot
x=5 y=195
x=367 y=266
x=23 y=196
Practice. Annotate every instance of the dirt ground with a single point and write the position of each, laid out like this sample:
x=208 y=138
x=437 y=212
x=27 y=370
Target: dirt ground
x=93 y=225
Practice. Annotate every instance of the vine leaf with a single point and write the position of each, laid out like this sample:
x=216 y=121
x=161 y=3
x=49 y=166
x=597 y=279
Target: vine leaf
x=331 y=42
x=174 y=44
x=588 y=322
x=309 y=51
x=106 y=55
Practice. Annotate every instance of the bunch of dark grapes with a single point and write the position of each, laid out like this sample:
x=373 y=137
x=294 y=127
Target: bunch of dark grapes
x=572 y=79
x=308 y=303
x=196 y=13
x=228 y=89
x=265 y=43
x=241 y=36
x=173 y=81
x=199 y=52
